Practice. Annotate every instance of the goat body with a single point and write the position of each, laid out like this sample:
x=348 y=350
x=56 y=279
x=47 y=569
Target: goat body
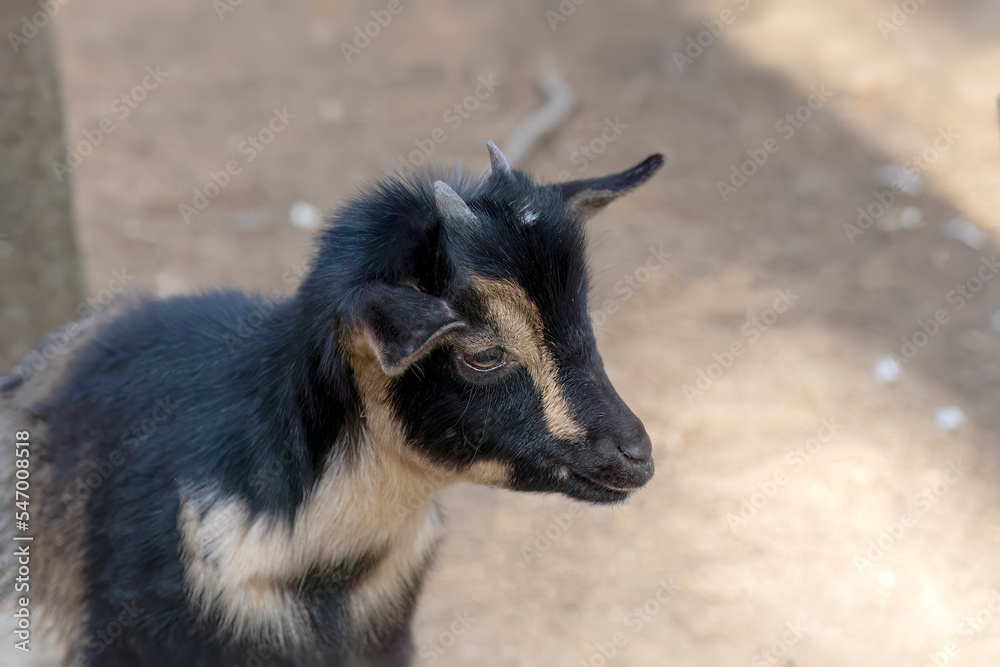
x=228 y=480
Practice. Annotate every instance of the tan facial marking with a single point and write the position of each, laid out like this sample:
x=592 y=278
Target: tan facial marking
x=519 y=325
x=386 y=431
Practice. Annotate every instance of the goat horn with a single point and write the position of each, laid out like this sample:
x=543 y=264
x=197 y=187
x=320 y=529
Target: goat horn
x=452 y=207
x=497 y=159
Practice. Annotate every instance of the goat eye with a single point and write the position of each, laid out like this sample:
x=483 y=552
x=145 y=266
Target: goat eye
x=486 y=360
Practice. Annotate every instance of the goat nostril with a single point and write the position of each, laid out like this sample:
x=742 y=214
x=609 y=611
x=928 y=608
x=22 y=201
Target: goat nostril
x=638 y=449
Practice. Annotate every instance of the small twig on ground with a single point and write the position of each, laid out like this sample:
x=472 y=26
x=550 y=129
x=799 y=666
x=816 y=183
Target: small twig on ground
x=560 y=102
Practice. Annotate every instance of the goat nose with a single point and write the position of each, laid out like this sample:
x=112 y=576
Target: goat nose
x=638 y=448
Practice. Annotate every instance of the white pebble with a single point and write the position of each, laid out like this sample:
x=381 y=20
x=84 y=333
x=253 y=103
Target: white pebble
x=906 y=181
x=887 y=369
x=964 y=231
x=910 y=218
x=304 y=215
x=950 y=418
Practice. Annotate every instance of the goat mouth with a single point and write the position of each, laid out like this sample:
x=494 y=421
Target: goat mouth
x=590 y=490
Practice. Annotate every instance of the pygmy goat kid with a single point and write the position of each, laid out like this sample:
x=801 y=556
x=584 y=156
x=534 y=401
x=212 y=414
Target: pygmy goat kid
x=196 y=501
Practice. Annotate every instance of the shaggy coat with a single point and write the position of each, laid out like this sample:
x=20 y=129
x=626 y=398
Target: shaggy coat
x=222 y=479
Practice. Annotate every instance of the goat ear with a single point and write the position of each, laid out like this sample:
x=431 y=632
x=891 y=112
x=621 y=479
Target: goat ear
x=403 y=324
x=586 y=197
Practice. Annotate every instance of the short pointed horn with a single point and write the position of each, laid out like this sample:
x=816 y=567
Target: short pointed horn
x=497 y=159
x=452 y=207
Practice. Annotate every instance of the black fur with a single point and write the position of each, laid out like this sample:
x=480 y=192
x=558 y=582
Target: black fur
x=212 y=390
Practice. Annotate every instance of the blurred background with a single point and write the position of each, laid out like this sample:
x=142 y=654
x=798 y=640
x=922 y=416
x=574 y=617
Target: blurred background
x=800 y=306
